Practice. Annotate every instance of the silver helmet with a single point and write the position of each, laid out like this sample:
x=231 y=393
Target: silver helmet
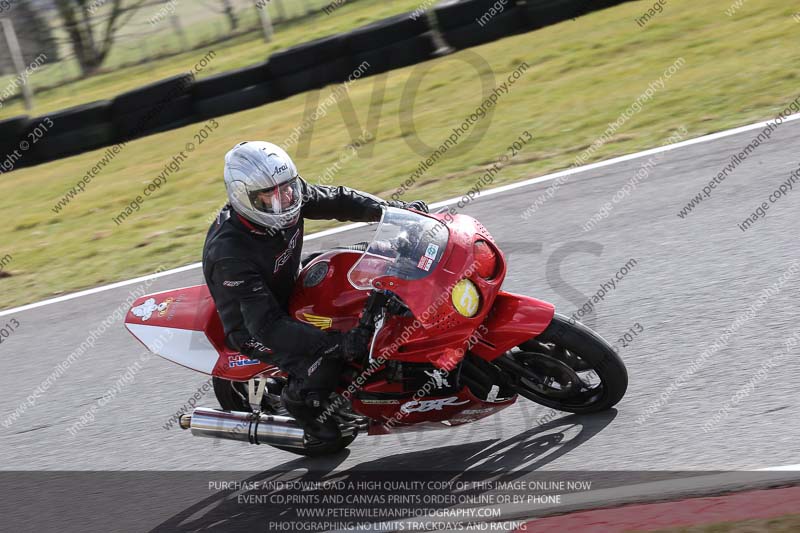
x=263 y=184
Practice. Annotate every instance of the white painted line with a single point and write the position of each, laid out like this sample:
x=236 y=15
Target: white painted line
x=96 y=290
x=490 y=192
x=788 y=468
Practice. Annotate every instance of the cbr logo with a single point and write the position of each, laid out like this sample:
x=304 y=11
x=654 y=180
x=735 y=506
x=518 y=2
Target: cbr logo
x=430 y=405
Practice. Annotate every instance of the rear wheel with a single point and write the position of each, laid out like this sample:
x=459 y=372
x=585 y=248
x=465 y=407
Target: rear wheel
x=567 y=367
x=233 y=396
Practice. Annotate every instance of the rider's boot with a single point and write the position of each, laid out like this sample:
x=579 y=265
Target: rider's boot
x=312 y=413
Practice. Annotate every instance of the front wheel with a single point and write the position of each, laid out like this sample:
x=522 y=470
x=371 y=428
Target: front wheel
x=567 y=367
x=232 y=396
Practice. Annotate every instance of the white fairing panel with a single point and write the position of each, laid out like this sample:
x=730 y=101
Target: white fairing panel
x=186 y=347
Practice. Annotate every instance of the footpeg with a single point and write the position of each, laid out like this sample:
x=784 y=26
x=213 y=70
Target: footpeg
x=358 y=423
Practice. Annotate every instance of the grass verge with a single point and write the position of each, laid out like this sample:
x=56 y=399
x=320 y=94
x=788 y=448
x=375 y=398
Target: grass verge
x=583 y=75
x=235 y=53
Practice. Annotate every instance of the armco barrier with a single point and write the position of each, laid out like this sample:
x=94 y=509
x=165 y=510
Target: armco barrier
x=11 y=131
x=73 y=131
x=466 y=23
x=385 y=32
x=511 y=21
x=314 y=77
x=155 y=107
x=78 y=141
x=153 y=94
x=309 y=66
x=397 y=55
x=230 y=82
x=547 y=12
x=453 y=14
x=392 y=43
x=171 y=114
x=235 y=101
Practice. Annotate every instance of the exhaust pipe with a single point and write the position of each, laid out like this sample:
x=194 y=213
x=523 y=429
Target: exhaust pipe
x=247 y=427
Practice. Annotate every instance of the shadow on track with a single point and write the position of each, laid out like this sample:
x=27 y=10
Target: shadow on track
x=493 y=461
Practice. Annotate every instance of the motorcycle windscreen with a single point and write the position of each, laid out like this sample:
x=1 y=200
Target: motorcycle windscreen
x=406 y=250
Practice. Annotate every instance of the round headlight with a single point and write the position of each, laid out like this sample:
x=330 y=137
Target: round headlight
x=466 y=298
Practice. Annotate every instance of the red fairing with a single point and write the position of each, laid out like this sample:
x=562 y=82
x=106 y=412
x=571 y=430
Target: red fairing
x=457 y=307
x=437 y=333
x=429 y=297
x=430 y=412
x=514 y=320
x=183 y=326
x=322 y=295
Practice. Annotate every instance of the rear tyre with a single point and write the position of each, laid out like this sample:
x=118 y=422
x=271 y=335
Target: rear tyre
x=233 y=396
x=567 y=367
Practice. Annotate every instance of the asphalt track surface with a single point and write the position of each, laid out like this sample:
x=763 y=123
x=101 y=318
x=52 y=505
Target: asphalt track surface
x=693 y=277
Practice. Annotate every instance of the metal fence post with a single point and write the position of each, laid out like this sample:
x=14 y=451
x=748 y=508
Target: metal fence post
x=19 y=63
x=266 y=21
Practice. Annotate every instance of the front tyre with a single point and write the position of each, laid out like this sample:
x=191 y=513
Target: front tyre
x=567 y=367
x=232 y=396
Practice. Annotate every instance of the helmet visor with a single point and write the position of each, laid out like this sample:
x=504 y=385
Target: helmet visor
x=278 y=199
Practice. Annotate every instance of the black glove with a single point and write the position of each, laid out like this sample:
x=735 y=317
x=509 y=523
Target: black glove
x=331 y=346
x=348 y=346
x=355 y=343
x=418 y=205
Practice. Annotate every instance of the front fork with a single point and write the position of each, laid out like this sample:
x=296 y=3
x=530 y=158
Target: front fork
x=486 y=380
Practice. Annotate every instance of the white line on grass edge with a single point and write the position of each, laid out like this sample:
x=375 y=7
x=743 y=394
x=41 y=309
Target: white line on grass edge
x=490 y=192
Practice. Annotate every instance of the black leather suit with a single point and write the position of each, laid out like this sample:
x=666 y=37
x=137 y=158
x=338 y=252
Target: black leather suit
x=251 y=271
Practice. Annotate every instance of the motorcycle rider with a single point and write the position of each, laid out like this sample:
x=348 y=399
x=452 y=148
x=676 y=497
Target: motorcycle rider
x=251 y=260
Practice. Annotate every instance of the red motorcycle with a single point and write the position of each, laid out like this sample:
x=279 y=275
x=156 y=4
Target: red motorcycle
x=449 y=346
